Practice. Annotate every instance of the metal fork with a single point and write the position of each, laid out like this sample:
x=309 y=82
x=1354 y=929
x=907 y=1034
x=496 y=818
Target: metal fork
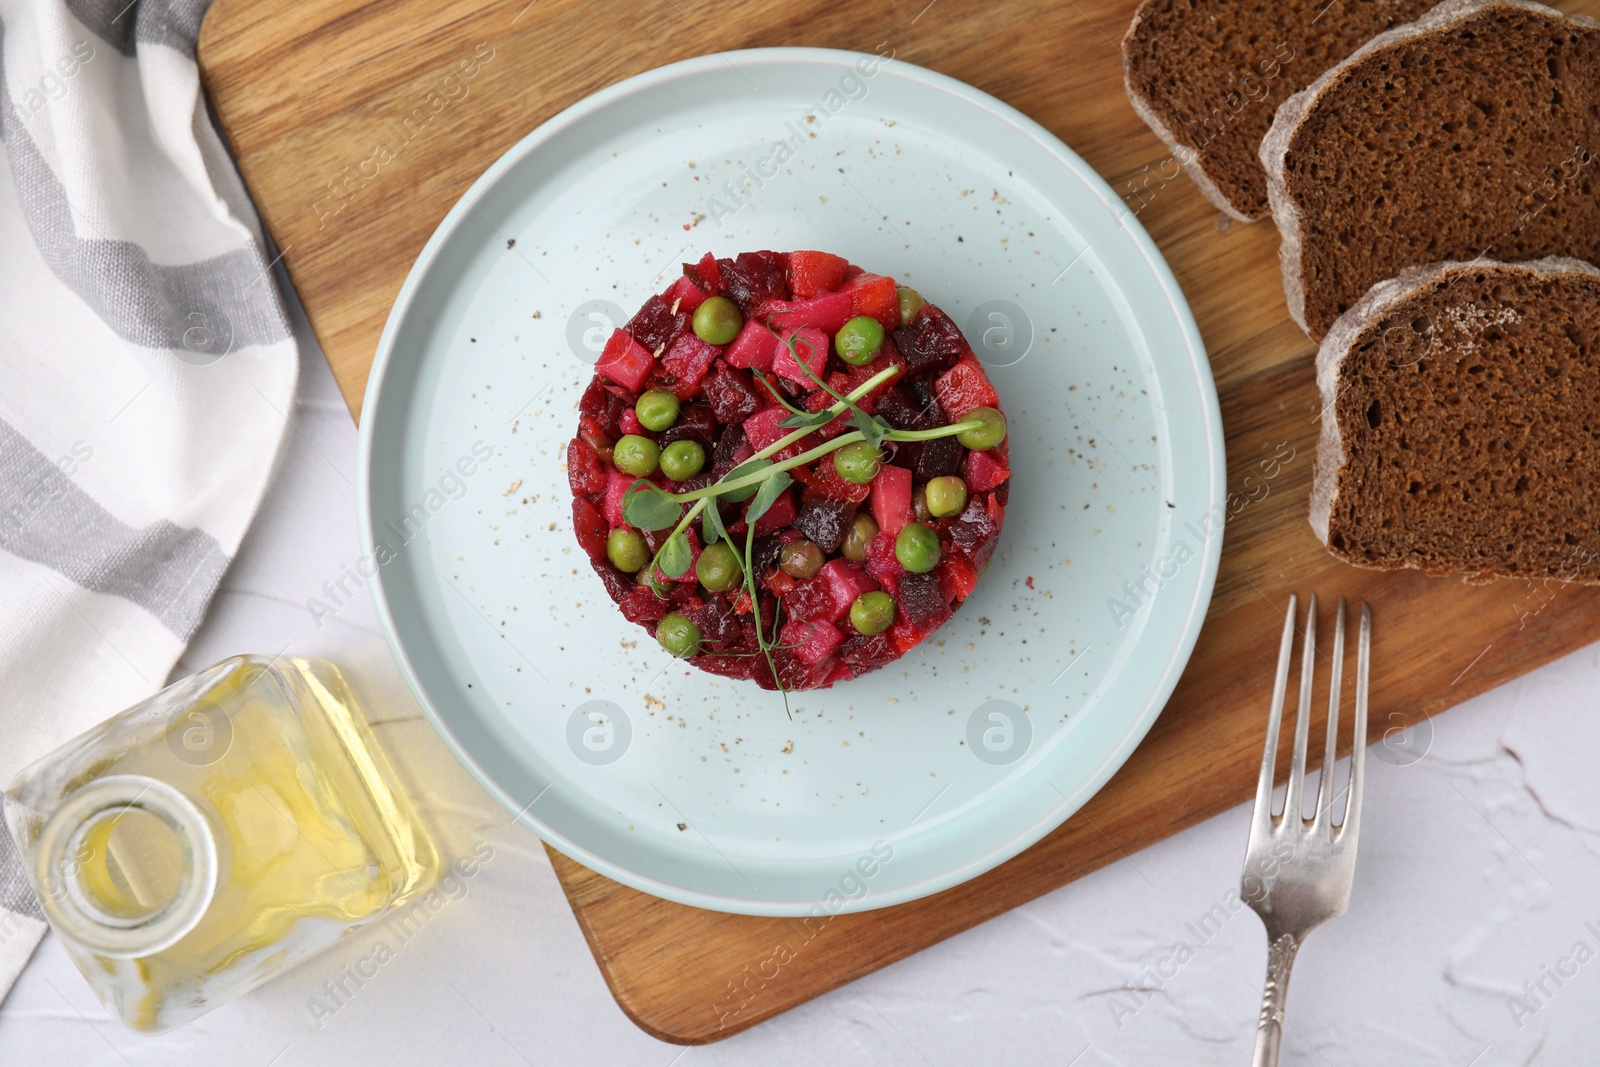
x=1302 y=868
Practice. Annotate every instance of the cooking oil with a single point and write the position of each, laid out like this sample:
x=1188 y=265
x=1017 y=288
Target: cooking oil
x=205 y=841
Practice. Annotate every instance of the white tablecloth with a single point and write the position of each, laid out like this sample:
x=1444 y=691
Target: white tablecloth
x=1478 y=879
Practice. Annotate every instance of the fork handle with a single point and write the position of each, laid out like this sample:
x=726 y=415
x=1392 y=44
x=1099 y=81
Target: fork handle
x=1274 y=994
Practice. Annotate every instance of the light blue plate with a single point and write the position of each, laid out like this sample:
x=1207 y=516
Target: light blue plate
x=892 y=786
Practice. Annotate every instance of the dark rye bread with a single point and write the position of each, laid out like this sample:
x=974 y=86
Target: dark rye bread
x=1461 y=423
x=1468 y=133
x=1207 y=76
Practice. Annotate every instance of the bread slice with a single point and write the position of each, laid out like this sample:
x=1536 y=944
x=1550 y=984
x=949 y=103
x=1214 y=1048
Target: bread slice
x=1469 y=133
x=1207 y=76
x=1461 y=423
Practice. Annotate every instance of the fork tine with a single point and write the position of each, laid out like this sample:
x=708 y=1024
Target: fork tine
x=1302 y=716
x=1325 y=794
x=1358 y=753
x=1262 y=816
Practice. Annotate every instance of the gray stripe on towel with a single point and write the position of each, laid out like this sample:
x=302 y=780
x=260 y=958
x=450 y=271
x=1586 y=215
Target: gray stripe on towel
x=181 y=307
x=46 y=518
x=15 y=892
x=120 y=23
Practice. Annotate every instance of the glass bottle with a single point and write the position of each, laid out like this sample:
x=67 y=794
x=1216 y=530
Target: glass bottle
x=202 y=842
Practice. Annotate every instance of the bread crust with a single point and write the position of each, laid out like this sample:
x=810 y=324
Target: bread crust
x=1186 y=156
x=1348 y=333
x=1293 y=112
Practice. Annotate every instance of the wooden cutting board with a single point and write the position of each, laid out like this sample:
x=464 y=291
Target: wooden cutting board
x=305 y=89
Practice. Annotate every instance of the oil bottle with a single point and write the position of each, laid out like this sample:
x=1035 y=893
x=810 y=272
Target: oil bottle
x=202 y=842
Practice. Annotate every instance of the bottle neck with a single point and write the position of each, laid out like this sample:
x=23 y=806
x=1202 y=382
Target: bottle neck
x=128 y=865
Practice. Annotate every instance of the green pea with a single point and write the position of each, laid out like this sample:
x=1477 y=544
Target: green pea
x=872 y=613
x=678 y=635
x=717 y=320
x=863 y=528
x=917 y=548
x=857 y=462
x=800 y=559
x=657 y=409
x=986 y=436
x=718 y=567
x=659 y=586
x=858 y=340
x=626 y=549
x=946 y=496
x=635 y=455
x=910 y=303
x=683 y=459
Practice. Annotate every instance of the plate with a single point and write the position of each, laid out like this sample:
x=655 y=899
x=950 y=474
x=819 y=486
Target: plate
x=885 y=788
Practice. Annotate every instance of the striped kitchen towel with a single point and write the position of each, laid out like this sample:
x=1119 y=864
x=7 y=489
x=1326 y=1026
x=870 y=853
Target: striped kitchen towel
x=147 y=372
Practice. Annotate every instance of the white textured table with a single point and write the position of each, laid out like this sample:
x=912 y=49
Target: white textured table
x=1478 y=881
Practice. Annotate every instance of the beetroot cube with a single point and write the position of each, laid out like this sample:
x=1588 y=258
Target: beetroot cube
x=730 y=393
x=875 y=296
x=810 y=345
x=629 y=423
x=931 y=343
x=642 y=606
x=779 y=515
x=822 y=479
x=746 y=668
x=732 y=449
x=762 y=428
x=922 y=602
x=891 y=499
x=849 y=581
x=939 y=458
x=825 y=521
x=656 y=325
x=618 y=583
x=754 y=348
x=622 y=588
x=596 y=401
x=834 y=589
x=625 y=361
x=705 y=274
x=977 y=530
x=603 y=429
x=685 y=295
x=720 y=626
x=964 y=387
x=956 y=578
x=920 y=390
x=688 y=359
x=696 y=422
x=827 y=313
x=866 y=653
x=794 y=673
x=819 y=399
x=883 y=564
x=591 y=528
x=898 y=409
x=812 y=640
x=585 y=472
x=754 y=277
x=983 y=473
x=811 y=273
x=617 y=485
x=904 y=636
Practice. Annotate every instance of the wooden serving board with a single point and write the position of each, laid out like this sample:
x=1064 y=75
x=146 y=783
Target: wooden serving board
x=306 y=89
